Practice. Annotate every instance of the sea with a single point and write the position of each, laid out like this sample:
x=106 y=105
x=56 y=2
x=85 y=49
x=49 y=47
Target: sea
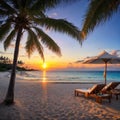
x=69 y=76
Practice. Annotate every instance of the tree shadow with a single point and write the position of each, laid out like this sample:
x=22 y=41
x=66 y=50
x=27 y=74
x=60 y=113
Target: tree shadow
x=10 y=112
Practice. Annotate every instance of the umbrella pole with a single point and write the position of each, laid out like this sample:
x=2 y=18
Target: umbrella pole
x=105 y=72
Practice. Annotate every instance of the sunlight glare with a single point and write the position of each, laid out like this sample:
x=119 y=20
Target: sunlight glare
x=44 y=65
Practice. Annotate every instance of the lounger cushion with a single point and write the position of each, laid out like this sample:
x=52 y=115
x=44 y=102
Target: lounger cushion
x=83 y=90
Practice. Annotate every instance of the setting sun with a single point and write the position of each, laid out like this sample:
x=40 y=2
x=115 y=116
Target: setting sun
x=44 y=65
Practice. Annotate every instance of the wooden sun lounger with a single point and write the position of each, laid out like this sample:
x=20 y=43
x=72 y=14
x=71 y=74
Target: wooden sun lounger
x=111 y=89
x=88 y=92
x=95 y=92
x=110 y=86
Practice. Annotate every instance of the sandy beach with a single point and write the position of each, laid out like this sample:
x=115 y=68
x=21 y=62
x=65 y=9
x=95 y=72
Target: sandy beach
x=50 y=101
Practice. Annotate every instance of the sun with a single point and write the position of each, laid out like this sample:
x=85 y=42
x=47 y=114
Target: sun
x=44 y=65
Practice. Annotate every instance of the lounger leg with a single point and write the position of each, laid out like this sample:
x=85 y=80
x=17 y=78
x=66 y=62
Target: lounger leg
x=86 y=94
x=76 y=93
x=99 y=100
x=116 y=97
x=110 y=99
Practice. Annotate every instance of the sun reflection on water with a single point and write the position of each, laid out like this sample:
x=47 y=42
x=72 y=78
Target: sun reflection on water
x=44 y=79
x=44 y=86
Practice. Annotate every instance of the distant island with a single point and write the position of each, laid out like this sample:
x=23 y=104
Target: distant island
x=6 y=65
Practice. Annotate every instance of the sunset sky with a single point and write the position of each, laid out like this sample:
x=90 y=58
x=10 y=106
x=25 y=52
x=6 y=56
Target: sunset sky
x=104 y=37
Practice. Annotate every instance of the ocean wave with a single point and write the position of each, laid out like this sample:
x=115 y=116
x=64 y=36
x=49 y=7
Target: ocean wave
x=68 y=76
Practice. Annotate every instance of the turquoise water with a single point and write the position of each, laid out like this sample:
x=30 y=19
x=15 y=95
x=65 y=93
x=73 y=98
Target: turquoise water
x=71 y=76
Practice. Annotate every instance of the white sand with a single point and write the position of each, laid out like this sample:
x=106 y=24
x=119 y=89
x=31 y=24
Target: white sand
x=43 y=101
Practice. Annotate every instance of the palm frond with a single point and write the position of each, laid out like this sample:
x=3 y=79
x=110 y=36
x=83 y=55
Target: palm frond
x=4 y=29
x=1 y=22
x=37 y=13
x=32 y=44
x=3 y=15
x=3 y=12
x=49 y=42
x=15 y=3
x=6 y=6
x=43 y=4
x=9 y=39
x=30 y=47
x=26 y=3
x=37 y=44
x=20 y=4
x=60 y=25
x=47 y=4
x=99 y=12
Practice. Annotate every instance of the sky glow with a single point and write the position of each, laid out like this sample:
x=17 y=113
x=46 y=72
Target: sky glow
x=104 y=37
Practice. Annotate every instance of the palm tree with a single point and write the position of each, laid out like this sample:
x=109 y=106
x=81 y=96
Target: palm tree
x=99 y=11
x=1 y=59
x=20 y=16
x=20 y=62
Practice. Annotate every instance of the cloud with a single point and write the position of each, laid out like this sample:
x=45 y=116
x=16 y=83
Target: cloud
x=53 y=56
x=1 y=52
x=12 y=45
x=70 y=65
x=22 y=55
x=84 y=59
x=78 y=61
x=115 y=52
x=53 y=15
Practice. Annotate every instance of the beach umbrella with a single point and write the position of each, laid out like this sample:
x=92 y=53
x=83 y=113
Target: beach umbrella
x=103 y=58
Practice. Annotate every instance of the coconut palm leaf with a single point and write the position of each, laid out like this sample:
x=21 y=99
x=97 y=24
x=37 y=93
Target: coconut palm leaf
x=4 y=29
x=99 y=12
x=39 y=48
x=60 y=25
x=7 y=6
x=47 y=4
x=9 y=39
x=48 y=41
x=2 y=13
x=30 y=47
x=15 y=4
x=36 y=13
x=1 y=22
x=32 y=44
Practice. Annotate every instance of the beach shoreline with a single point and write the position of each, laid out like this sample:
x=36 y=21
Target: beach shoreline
x=49 y=101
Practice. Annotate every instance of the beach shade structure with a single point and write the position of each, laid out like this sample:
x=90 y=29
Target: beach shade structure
x=103 y=58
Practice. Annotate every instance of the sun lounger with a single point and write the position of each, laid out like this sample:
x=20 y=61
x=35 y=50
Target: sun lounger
x=109 y=87
x=94 y=92
x=91 y=91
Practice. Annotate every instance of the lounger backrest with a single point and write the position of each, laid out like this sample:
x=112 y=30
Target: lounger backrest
x=96 y=88
x=110 y=86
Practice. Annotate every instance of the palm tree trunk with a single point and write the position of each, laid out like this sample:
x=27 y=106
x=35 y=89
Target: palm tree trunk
x=10 y=93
